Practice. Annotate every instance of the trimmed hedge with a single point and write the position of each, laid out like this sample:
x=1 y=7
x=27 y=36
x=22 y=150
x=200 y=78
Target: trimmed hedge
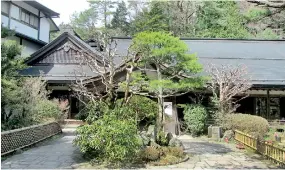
x=251 y=124
x=195 y=118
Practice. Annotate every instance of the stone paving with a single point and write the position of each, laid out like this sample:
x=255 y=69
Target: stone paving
x=61 y=154
x=54 y=154
x=207 y=155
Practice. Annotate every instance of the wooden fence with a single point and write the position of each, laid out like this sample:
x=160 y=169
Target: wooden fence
x=20 y=138
x=246 y=139
x=273 y=152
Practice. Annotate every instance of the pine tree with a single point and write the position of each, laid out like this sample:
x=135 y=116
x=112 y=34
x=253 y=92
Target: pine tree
x=84 y=23
x=120 y=18
x=104 y=8
x=170 y=60
x=153 y=20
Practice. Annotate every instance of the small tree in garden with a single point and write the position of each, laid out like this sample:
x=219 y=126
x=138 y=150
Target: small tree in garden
x=105 y=66
x=226 y=82
x=174 y=70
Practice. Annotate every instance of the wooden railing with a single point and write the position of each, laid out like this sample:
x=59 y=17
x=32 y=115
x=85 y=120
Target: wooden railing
x=273 y=152
x=246 y=139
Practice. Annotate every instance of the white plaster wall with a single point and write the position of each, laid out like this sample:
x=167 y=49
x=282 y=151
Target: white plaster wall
x=29 y=48
x=15 y=12
x=4 y=20
x=24 y=29
x=44 y=30
x=27 y=7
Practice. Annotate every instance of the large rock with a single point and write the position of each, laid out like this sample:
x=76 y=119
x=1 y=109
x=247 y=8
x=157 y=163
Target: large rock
x=169 y=136
x=174 y=142
x=229 y=134
x=216 y=132
x=150 y=131
x=145 y=139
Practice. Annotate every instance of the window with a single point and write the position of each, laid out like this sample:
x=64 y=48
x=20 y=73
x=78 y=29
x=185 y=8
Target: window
x=4 y=7
x=15 y=12
x=29 y=18
x=34 y=21
x=25 y=17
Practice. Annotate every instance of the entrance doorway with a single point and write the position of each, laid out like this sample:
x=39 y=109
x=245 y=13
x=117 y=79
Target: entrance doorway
x=74 y=107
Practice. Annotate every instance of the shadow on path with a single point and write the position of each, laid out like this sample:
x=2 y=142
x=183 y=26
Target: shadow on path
x=205 y=148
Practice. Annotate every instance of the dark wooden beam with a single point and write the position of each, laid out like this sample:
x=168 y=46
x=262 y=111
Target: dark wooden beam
x=267 y=104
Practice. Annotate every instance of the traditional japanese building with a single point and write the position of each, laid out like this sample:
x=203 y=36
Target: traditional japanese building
x=265 y=60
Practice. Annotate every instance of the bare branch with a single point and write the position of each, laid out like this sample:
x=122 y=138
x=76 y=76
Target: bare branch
x=226 y=82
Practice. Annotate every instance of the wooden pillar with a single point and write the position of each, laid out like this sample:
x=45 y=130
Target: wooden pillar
x=175 y=116
x=267 y=104
x=254 y=106
x=69 y=101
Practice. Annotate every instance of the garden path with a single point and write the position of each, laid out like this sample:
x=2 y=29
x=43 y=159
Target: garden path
x=60 y=153
x=214 y=155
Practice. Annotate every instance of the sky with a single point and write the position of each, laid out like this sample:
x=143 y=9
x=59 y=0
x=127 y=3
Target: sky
x=65 y=7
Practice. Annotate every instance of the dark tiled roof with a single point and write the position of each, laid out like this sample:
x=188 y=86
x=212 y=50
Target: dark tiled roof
x=264 y=59
x=61 y=39
x=59 y=67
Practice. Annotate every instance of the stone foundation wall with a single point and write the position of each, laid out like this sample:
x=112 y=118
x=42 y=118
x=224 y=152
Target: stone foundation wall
x=20 y=138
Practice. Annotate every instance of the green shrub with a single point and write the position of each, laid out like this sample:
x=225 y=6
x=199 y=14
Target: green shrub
x=162 y=139
x=195 y=118
x=254 y=125
x=47 y=110
x=92 y=111
x=143 y=108
x=110 y=138
x=151 y=154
